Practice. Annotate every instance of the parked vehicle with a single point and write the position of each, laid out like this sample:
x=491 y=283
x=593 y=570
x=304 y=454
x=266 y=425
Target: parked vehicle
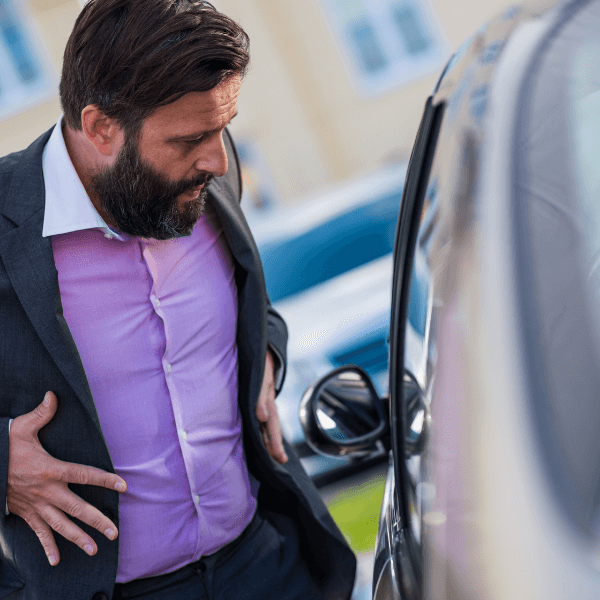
x=328 y=268
x=493 y=416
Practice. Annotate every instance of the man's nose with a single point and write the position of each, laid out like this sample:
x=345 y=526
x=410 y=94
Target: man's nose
x=214 y=157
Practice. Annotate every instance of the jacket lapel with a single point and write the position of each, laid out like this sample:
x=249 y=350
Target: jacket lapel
x=252 y=316
x=234 y=225
x=29 y=263
x=252 y=301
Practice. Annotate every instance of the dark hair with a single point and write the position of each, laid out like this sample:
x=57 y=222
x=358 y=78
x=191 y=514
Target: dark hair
x=129 y=57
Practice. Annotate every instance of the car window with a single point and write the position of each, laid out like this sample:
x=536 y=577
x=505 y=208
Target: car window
x=419 y=310
x=341 y=244
x=417 y=304
x=557 y=215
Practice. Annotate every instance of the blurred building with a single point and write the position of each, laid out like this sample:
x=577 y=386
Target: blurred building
x=336 y=87
x=32 y=40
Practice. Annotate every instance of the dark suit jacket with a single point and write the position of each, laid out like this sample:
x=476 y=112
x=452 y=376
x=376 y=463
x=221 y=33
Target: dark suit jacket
x=37 y=354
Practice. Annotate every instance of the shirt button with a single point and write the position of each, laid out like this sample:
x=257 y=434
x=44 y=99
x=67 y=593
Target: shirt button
x=196 y=498
x=169 y=368
x=184 y=435
x=108 y=236
x=157 y=302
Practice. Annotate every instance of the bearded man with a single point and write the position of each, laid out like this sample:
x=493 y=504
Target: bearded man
x=140 y=449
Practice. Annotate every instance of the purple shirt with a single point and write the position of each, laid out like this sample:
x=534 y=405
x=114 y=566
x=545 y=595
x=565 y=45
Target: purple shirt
x=155 y=325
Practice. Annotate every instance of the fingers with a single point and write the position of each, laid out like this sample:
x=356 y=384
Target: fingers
x=84 y=475
x=271 y=433
x=267 y=391
x=266 y=398
x=37 y=487
x=266 y=413
x=274 y=429
x=44 y=534
x=262 y=412
x=49 y=515
x=275 y=450
x=50 y=518
x=71 y=504
x=57 y=521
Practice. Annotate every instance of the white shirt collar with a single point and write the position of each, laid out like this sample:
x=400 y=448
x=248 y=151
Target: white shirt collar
x=68 y=207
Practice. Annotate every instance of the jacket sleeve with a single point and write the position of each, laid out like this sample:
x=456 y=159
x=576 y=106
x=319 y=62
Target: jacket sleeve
x=277 y=333
x=277 y=339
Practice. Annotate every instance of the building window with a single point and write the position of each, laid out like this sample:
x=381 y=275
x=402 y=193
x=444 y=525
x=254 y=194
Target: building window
x=25 y=75
x=386 y=43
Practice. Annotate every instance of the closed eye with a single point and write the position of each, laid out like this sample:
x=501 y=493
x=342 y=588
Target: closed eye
x=195 y=141
x=188 y=146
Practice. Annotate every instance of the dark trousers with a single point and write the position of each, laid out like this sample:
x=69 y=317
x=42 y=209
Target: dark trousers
x=262 y=563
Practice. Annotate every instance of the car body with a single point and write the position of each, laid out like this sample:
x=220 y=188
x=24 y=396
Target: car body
x=493 y=420
x=328 y=268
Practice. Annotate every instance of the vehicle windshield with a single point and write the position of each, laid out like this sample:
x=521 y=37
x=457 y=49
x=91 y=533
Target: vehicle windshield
x=352 y=239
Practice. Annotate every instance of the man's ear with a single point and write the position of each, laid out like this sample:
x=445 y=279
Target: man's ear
x=101 y=131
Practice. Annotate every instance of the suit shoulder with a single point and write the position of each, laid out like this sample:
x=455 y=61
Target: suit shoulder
x=9 y=162
x=24 y=167
x=33 y=152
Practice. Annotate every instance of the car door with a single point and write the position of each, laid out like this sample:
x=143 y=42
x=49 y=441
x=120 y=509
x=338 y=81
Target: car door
x=399 y=555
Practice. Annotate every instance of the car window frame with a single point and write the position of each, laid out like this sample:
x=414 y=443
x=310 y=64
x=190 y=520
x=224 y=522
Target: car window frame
x=413 y=197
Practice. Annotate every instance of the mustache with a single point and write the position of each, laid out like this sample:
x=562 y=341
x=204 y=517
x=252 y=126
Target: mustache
x=185 y=186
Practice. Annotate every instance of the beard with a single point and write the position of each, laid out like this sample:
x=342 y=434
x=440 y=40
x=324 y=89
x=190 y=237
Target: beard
x=143 y=202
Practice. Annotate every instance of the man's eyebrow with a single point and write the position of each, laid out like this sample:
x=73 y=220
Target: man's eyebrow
x=193 y=136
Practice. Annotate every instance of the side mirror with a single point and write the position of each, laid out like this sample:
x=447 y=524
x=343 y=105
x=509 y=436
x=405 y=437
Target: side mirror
x=342 y=414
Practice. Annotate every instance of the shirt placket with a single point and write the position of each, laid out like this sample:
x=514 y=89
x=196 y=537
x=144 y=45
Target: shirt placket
x=170 y=373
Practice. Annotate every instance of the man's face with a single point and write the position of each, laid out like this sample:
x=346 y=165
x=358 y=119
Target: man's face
x=157 y=187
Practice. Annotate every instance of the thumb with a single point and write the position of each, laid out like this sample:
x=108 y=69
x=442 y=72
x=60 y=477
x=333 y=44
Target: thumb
x=42 y=414
x=262 y=412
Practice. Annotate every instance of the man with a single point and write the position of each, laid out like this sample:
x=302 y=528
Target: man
x=133 y=302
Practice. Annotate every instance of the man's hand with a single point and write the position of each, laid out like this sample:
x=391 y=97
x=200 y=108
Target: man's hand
x=266 y=411
x=37 y=486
